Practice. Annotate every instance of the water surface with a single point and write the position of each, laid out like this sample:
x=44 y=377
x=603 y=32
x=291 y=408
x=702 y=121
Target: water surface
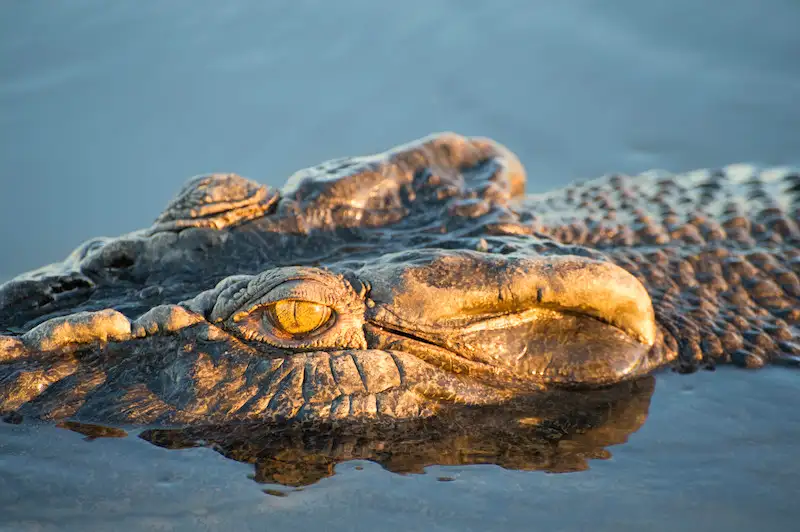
x=718 y=452
x=107 y=107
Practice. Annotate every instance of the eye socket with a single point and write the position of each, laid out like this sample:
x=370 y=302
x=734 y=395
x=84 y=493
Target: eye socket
x=298 y=318
x=293 y=308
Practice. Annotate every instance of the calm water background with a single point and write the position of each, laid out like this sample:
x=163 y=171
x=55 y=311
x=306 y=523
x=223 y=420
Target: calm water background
x=107 y=107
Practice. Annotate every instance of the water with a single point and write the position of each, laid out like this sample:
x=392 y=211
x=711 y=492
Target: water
x=106 y=108
x=717 y=452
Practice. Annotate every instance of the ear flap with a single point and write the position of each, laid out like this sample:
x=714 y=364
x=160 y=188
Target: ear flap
x=216 y=201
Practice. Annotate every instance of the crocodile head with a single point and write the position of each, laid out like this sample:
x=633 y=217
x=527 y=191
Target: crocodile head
x=387 y=285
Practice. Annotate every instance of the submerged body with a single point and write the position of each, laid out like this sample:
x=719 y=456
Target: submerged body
x=400 y=283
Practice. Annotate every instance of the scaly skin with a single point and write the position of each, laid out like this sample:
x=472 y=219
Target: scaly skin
x=425 y=280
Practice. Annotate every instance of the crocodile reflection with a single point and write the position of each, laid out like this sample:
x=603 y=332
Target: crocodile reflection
x=558 y=431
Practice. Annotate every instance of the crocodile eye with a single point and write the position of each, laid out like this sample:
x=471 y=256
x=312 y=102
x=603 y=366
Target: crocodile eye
x=298 y=318
x=292 y=309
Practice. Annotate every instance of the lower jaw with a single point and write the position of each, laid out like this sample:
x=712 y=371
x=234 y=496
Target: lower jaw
x=587 y=354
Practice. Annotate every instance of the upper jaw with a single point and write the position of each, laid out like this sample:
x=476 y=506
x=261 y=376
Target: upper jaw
x=544 y=320
x=437 y=290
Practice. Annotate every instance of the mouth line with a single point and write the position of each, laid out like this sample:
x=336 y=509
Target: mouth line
x=390 y=338
x=496 y=322
x=404 y=333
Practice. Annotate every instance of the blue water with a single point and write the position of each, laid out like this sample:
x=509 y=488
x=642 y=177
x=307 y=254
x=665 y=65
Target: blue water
x=107 y=107
x=717 y=452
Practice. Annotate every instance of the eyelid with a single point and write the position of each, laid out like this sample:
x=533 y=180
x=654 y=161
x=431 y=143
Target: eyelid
x=295 y=289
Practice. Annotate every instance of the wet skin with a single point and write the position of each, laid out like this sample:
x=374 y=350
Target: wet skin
x=403 y=283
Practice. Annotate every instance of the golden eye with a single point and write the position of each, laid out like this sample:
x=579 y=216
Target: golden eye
x=298 y=317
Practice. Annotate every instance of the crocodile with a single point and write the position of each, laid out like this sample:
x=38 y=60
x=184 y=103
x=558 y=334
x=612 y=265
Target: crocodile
x=399 y=284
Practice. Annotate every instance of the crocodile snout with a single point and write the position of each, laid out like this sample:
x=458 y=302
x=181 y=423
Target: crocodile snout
x=546 y=319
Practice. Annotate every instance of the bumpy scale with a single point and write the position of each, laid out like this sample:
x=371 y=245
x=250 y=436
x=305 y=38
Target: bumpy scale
x=399 y=283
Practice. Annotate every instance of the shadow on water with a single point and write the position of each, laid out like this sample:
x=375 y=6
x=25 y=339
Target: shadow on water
x=556 y=432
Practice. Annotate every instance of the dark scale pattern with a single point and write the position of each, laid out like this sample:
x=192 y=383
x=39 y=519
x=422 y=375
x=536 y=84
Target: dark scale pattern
x=718 y=251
